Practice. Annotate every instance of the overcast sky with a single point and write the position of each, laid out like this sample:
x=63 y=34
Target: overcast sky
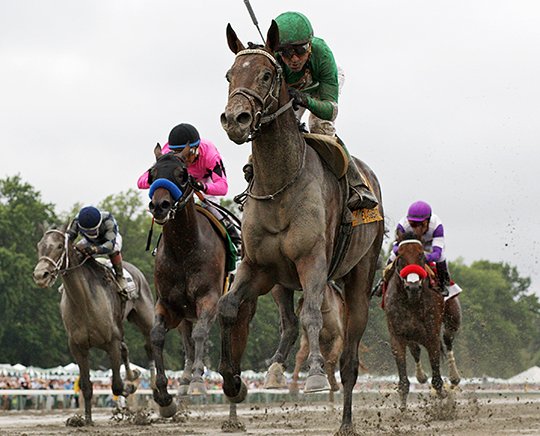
x=441 y=99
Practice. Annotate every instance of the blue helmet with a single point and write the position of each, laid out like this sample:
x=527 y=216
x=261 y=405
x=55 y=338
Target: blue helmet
x=89 y=219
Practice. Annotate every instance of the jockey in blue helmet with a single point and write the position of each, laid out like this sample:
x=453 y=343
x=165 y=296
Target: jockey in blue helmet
x=100 y=236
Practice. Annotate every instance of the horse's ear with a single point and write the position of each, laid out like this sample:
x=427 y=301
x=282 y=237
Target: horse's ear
x=234 y=43
x=185 y=153
x=157 y=151
x=42 y=227
x=272 y=38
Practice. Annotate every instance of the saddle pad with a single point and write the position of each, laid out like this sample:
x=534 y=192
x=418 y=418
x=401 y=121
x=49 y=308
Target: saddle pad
x=365 y=216
x=230 y=263
x=131 y=287
x=330 y=152
x=453 y=290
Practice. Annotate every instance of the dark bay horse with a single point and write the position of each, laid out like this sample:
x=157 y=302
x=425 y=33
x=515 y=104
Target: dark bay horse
x=92 y=310
x=189 y=273
x=415 y=314
x=290 y=225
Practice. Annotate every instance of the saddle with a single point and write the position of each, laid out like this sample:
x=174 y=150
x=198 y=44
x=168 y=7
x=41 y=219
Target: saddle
x=131 y=290
x=231 y=255
x=332 y=152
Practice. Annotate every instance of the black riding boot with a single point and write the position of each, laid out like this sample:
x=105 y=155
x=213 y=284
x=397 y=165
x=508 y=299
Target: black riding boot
x=360 y=197
x=119 y=274
x=234 y=233
x=443 y=277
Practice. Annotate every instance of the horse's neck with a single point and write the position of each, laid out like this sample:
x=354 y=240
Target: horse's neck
x=182 y=231
x=277 y=153
x=76 y=286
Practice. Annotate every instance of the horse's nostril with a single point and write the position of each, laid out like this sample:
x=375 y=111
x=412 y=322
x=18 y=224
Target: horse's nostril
x=244 y=118
x=151 y=206
x=223 y=119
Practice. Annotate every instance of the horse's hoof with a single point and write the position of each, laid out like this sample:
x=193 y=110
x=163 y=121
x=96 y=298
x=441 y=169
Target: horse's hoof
x=232 y=426
x=293 y=389
x=78 y=421
x=197 y=388
x=135 y=374
x=455 y=381
x=316 y=383
x=167 y=411
x=241 y=395
x=183 y=390
x=274 y=377
x=421 y=378
x=347 y=430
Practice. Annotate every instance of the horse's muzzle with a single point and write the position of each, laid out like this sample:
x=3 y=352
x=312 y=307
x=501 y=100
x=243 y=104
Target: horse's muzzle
x=43 y=278
x=237 y=124
x=160 y=210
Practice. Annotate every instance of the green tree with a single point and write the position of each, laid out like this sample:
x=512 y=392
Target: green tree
x=31 y=331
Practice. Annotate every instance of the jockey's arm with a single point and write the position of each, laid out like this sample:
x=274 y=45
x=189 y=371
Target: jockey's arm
x=437 y=245
x=324 y=101
x=73 y=229
x=110 y=235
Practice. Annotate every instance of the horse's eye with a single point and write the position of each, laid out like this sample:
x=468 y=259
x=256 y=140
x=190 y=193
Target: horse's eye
x=59 y=246
x=228 y=76
x=267 y=76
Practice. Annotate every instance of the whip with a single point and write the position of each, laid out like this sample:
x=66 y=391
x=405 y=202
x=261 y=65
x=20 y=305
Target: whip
x=254 y=18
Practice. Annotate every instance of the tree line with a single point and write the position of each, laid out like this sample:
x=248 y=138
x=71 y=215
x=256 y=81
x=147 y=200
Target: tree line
x=499 y=335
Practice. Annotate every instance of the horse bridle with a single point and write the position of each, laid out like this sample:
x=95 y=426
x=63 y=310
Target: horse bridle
x=261 y=116
x=404 y=272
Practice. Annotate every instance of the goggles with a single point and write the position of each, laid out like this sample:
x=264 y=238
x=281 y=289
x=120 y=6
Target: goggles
x=290 y=50
x=90 y=233
x=180 y=147
x=416 y=223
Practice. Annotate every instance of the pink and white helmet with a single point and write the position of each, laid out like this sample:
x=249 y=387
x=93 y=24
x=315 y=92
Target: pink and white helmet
x=419 y=211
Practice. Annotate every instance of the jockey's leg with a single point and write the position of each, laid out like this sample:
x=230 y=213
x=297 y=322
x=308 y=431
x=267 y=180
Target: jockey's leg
x=116 y=260
x=443 y=277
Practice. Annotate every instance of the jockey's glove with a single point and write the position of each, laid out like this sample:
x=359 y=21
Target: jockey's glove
x=199 y=186
x=90 y=250
x=299 y=98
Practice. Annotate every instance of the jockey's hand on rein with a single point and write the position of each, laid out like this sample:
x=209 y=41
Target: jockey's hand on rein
x=299 y=98
x=89 y=250
x=199 y=186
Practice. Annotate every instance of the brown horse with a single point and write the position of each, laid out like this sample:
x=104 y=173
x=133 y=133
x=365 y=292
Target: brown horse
x=415 y=314
x=92 y=310
x=290 y=225
x=189 y=273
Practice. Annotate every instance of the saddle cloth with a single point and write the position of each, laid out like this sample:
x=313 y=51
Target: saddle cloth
x=230 y=262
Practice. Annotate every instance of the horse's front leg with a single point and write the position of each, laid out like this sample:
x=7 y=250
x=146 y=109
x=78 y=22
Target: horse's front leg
x=81 y=357
x=186 y=329
x=421 y=376
x=206 y=314
x=235 y=309
x=452 y=322
x=399 y=349
x=312 y=273
x=167 y=407
x=284 y=299
x=434 y=351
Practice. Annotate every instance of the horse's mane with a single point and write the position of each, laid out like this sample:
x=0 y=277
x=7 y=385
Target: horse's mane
x=252 y=45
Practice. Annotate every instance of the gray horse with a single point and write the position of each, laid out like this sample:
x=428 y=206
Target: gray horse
x=92 y=310
x=290 y=225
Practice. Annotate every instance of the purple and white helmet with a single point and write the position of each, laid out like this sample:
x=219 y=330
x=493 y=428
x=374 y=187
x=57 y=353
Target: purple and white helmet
x=419 y=211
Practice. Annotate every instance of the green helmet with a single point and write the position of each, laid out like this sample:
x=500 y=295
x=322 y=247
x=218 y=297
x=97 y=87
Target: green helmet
x=294 y=28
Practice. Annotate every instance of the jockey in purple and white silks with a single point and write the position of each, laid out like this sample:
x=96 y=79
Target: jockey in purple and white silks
x=205 y=165
x=429 y=228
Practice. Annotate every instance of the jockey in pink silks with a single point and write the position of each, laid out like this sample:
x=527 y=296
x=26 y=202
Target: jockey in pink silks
x=206 y=167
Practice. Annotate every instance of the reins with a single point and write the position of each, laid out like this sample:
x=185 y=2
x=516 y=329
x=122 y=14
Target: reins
x=64 y=258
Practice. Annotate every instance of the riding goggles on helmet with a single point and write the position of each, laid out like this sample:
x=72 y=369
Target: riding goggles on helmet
x=180 y=147
x=90 y=233
x=289 y=50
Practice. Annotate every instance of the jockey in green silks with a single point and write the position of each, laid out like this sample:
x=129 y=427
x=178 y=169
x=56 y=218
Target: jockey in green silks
x=314 y=81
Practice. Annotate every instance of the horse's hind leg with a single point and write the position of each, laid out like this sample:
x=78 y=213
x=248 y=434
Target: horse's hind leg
x=185 y=328
x=452 y=322
x=117 y=351
x=415 y=352
x=81 y=357
x=143 y=319
x=312 y=274
x=301 y=357
x=284 y=299
x=206 y=313
x=130 y=375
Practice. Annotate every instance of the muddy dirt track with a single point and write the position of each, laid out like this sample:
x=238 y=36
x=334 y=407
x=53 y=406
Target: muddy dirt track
x=466 y=414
